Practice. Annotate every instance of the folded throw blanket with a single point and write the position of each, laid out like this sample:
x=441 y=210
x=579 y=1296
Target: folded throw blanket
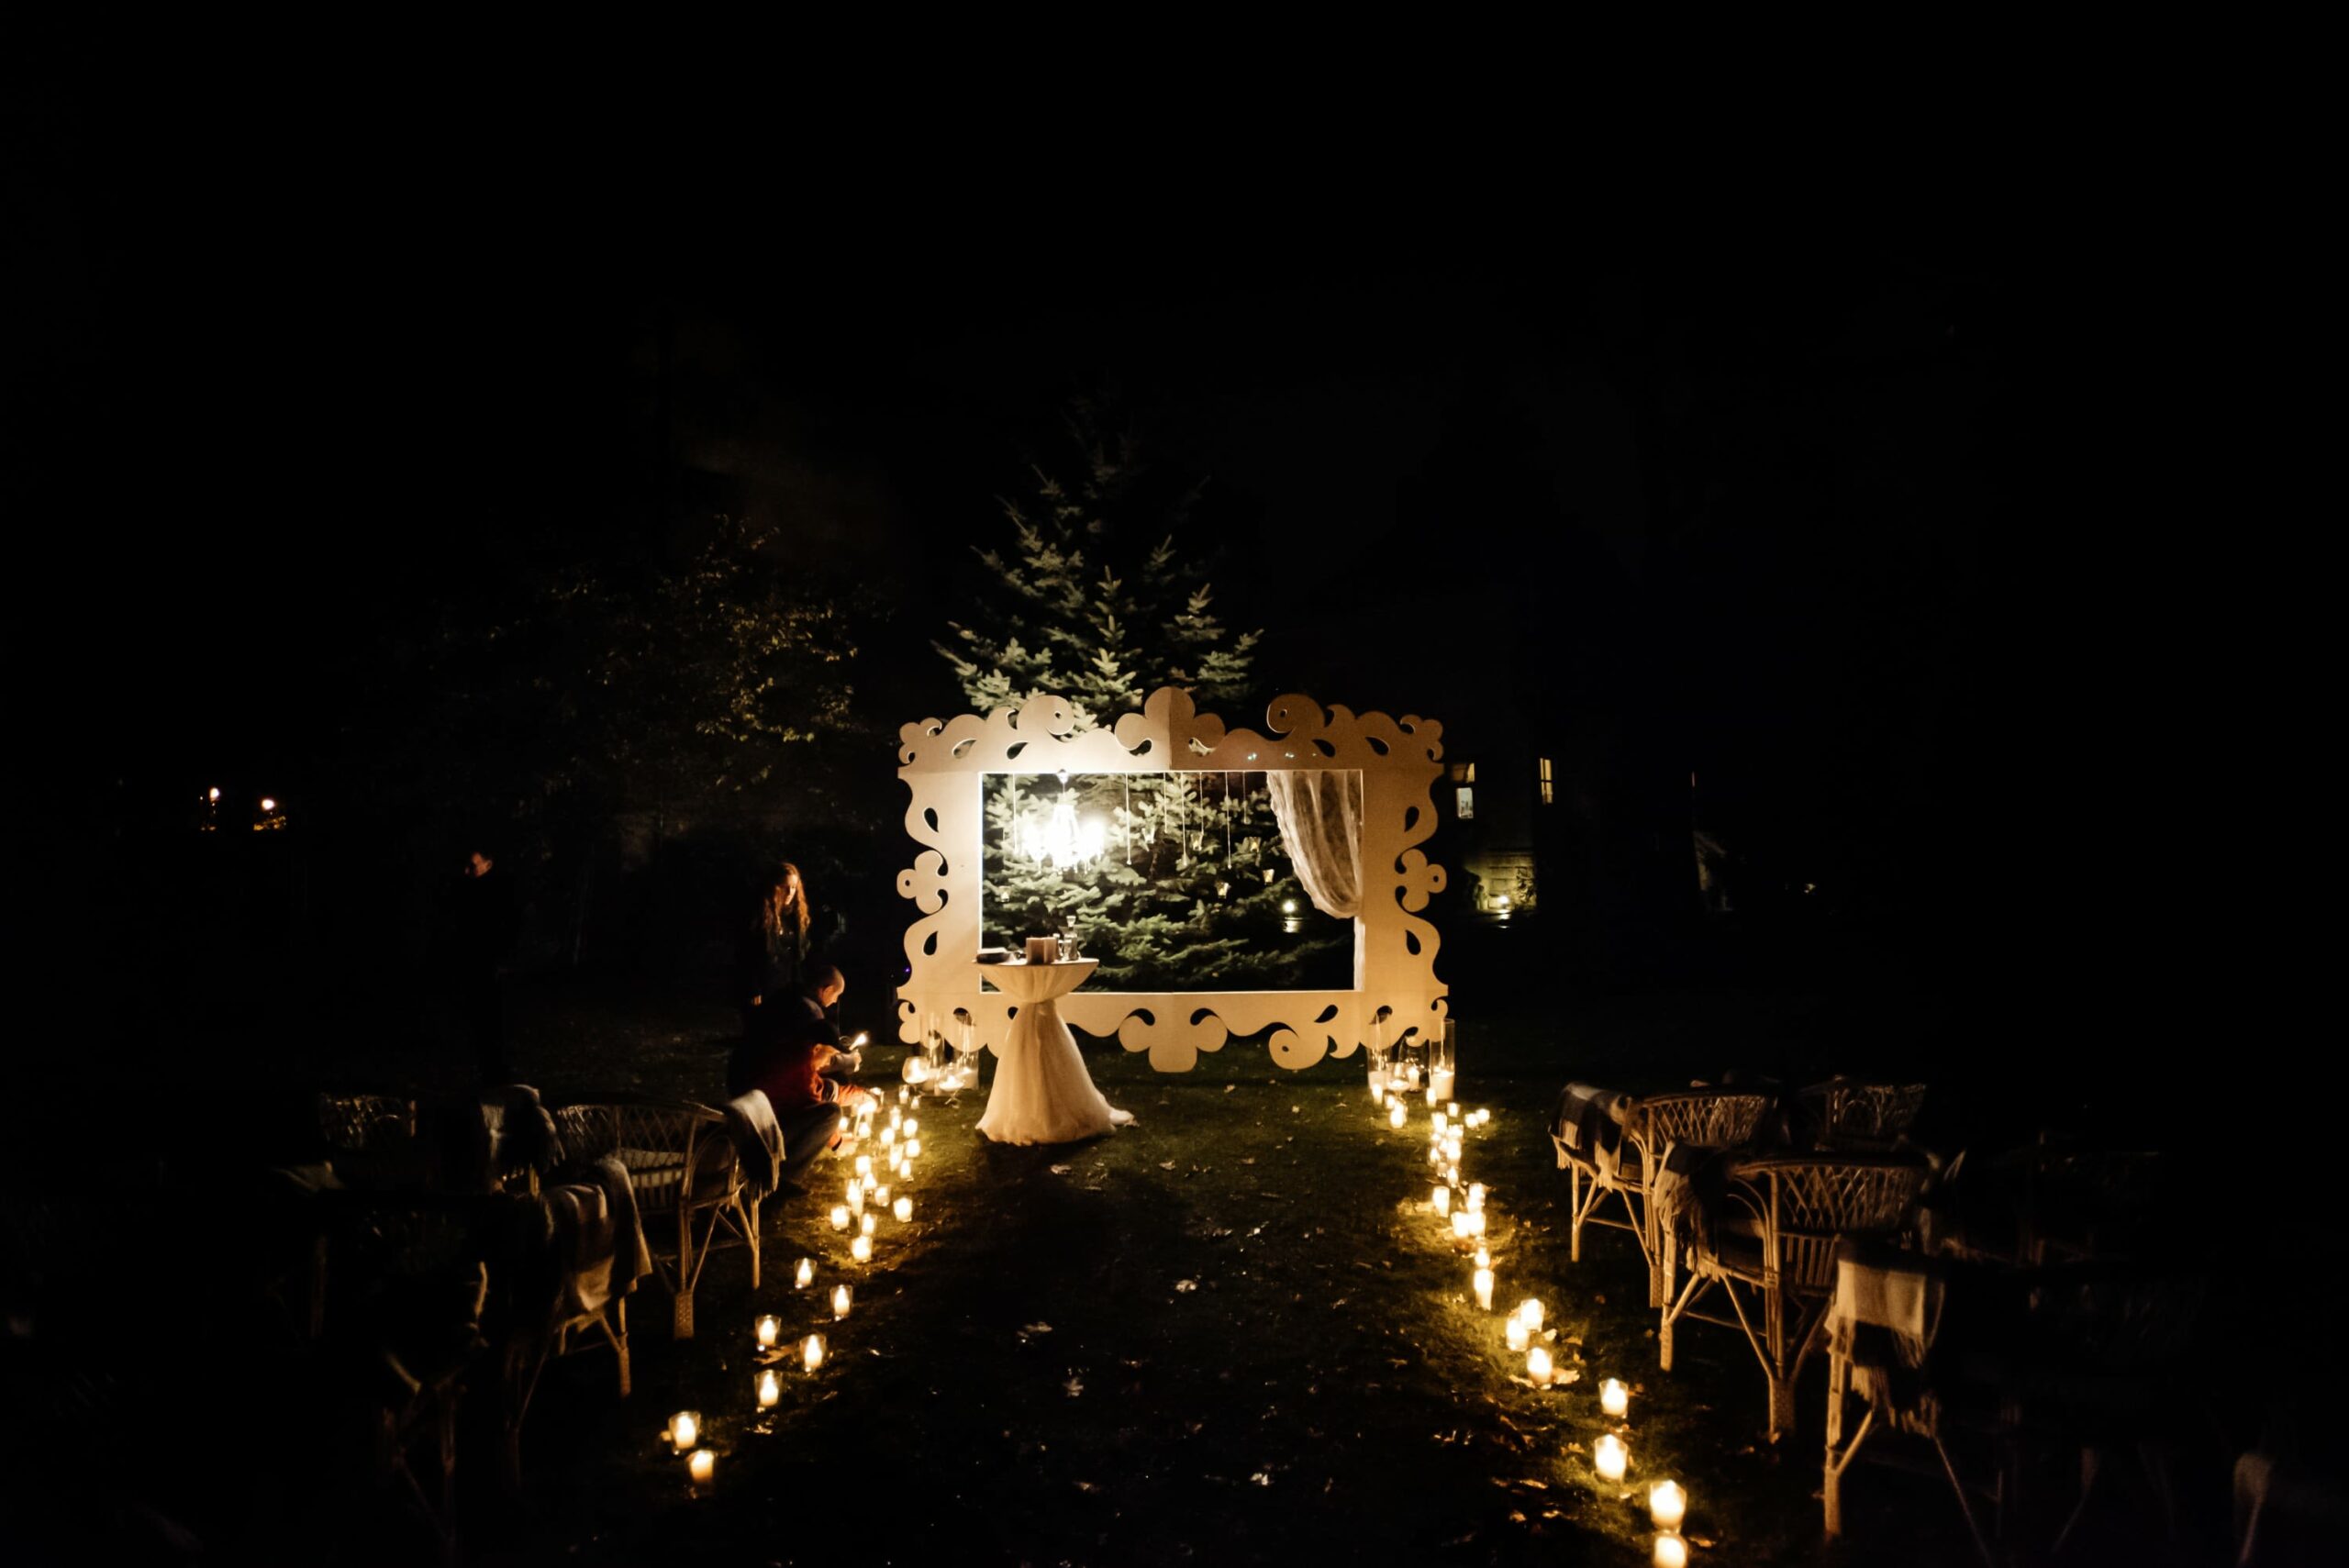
x=758 y=1141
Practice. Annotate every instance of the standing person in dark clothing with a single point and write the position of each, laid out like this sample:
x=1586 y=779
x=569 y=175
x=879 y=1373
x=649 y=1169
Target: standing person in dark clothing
x=787 y=1059
x=772 y=960
x=486 y=919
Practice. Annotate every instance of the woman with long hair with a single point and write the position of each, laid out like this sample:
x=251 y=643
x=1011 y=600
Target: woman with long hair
x=773 y=954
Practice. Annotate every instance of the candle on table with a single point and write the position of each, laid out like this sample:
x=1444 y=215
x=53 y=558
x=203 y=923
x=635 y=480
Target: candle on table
x=1614 y=1398
x=1517 y=1335
x=861 y=1248
x=769 y=1326
x=702 y=1466
x=805 y=1275
x=903 y=1209
x=1537 y=1367
x=1531 y=1310
x=811 y=1354
x=1442 y=1198
x=1670 y=1551
x=1668 y=1503
x=840 y=1301
x=770 y=1390
x=684 y=1430
x=1483 y=1279
x=1611 y=1457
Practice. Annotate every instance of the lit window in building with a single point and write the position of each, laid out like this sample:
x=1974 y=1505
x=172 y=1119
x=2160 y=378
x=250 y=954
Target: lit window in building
x=1466 y=799
x=1545 y=782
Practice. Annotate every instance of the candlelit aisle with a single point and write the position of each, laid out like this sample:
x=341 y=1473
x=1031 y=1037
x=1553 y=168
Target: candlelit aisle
x=1237 y=1332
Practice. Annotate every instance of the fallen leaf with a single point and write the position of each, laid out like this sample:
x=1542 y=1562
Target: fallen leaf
x=1261 y=1479
x=1075 y=1386
x=1229 y=1087
x=1569 y=1375
x=1036 y=1328
x=1060 y=1169
x=1167 y=1164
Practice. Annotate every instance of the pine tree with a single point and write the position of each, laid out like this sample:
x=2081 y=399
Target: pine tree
x=1096 y=601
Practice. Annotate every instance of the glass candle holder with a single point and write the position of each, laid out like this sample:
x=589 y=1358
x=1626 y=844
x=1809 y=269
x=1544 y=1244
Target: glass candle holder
x=770 y=1389
x=840 y=1301
x=804 y=1274
x=701 y=1465
x=1611 y=1457
x=1668 y=1503
x=768 y=1328
x=811 y=1352
x=1614 y=1398
x=684 y=1430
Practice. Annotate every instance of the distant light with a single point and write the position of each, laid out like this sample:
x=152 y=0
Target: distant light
x=267 y=804
x=215 y=793
x=1288 y=905
x=1504 y=900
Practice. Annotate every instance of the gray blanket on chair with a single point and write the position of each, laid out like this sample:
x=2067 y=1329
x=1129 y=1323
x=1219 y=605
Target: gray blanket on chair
x=1583 y=1125
x=758 y=1141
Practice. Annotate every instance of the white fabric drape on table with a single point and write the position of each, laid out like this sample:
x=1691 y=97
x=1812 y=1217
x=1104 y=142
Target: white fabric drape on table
x=1320 y=820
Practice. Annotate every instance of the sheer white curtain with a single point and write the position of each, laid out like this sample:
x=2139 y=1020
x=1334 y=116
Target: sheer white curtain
x=1320 y=819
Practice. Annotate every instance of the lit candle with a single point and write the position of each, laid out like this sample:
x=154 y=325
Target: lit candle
x=1431 y=1091
x=913 y=1146
x=684 y=1430
x=1378 y=1084
x=1518 y=1334
x=1452 y=1150
x=1668 y=1503
x=805 y=1275
x=913 y=1129
x=840 y=1217
x=903 y=1209
x=769 y=1326
x=1484 y=1281
x=812 y=1352
x=1483 y=1259
x=840 y=1301
x=1537 y=1367
x=702 y=1466
x=881 y=1195
x=1613 y=1398
x=1452 y=1108
x=1451 y=1173
x=1437 y=1123
x=1477 y=1222
x=1442 y=1198
x=1611 y=1457
x=1531 y=1310
x=1671 y=1552
x=1460 y=1225
x=865 y=1167
x=896 y=1116
x=1394 y=1118
x=856 y=1195
x=1475 y=1196
x=866 y=1225
x=770 y=1390
x=861 y=1248
x=901 y=1093
x=888 y=1136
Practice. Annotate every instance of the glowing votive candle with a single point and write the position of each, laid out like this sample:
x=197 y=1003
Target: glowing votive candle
x=866 y=1226
x=1483 y=1283
x=861 y=1248
x=702 y=1466
x=1437 y=1124
x=1394 y=1118
x=1537 y=1367
x=769 y=1326
x=840 y=1301
x=1610 y=1456
x=770 y=1390
x=804 y=1274
x=1614 y=1398
x=811 y=1354
x=1475 y=1196
x=901 y=1093
x=1460 y=1225
x=1475 y=1219
x=913 y=1128
x=1442 y=1198
x=913 y=1146
x=1531 y=1310
x=1671 y=1552
x=1452 y=1108
x=1518 y=1334
x=1668 y=1503
x=1431 y=1093
x=1452 y=1150
x=856 y=1195
x=903 y=1209
x=864 y=1166
x=684 y=1430
x=1483 y=1259
x=888 y=1136
x=840 y=1217
x=896 y=1116
x=881 y=1195
x=1451 y=1173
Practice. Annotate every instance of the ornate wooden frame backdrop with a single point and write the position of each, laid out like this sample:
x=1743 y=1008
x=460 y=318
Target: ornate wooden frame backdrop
x=945 y=765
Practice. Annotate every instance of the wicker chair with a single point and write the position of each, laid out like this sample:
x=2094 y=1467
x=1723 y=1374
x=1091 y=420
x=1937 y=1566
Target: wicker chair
x=1771 y=1238
x=687 y=1180
x=1653 y=1125
x=1855 y=1115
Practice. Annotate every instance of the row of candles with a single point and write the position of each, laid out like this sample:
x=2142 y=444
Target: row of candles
x=901 y=1145
x=1463 y=1208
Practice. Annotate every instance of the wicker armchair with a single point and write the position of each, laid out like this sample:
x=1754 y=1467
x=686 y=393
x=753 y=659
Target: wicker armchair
x=1770 y=1240
x=1855 y=1115
x=1652 y=1126
x=688 y=1182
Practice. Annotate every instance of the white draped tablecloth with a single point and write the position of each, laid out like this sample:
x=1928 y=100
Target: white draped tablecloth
x=1043 y=1093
